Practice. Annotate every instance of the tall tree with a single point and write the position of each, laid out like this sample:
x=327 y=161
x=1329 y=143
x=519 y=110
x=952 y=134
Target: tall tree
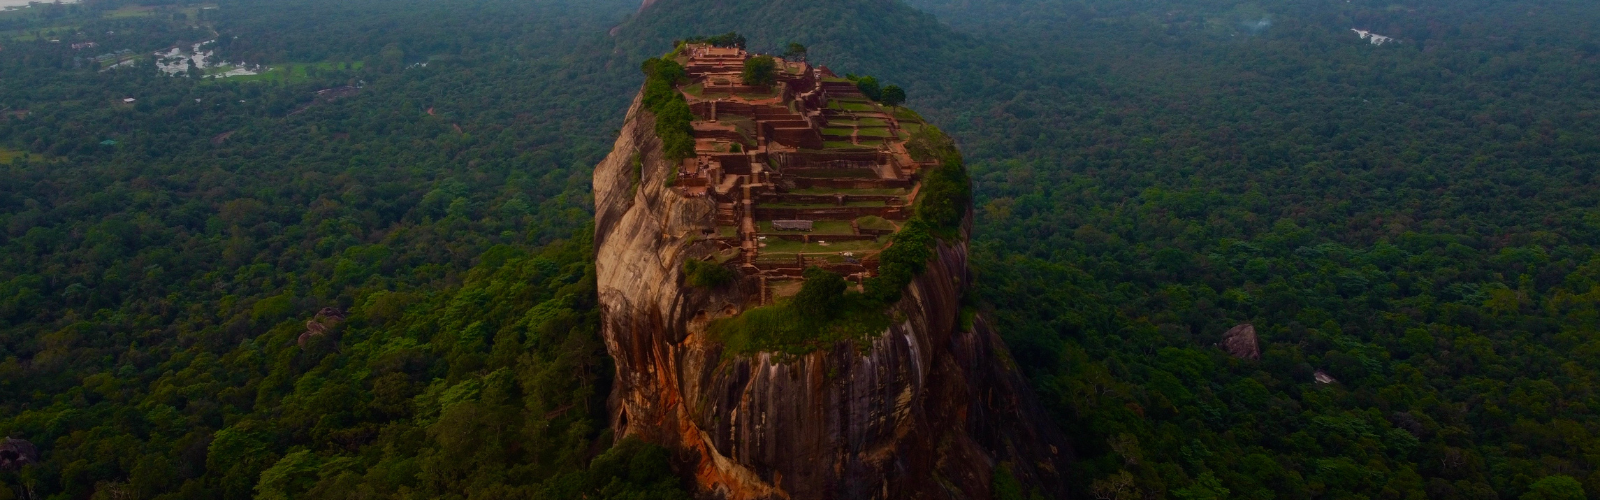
x=893 y=96
x=760 y=71
x=795 y=52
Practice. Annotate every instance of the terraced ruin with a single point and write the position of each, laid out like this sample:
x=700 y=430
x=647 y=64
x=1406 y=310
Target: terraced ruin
x=807 y=171
x=768 y=379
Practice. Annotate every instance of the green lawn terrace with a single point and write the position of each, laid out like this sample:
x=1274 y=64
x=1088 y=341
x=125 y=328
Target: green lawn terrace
x=805 y=172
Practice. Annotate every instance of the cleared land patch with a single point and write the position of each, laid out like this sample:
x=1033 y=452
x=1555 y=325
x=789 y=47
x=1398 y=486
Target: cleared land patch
x=7 y=155
x=292 y=72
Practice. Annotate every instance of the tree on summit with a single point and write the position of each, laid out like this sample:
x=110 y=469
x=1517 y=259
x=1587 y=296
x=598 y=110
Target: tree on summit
x=729 y=39
x=893 y=96
x=868 y=86
x=795 y=52
x=760 y=70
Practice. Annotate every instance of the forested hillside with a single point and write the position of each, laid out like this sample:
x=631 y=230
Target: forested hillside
x=243 y=288
x=1417 y=220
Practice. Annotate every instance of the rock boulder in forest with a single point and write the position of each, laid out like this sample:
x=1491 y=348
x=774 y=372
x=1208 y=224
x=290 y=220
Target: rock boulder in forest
x=1240 y=342
x=16 y=453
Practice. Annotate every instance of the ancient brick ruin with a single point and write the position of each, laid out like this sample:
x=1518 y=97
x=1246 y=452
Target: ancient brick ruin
x=888 y=394
x=805 y=172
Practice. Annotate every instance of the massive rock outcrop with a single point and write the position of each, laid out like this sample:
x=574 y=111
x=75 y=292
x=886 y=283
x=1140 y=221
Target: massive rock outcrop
x=931 y=410
x=1241 y=342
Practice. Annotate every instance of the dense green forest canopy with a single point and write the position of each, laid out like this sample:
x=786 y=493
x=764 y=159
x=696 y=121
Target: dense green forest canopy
x=238 y=288
x=1417 y=220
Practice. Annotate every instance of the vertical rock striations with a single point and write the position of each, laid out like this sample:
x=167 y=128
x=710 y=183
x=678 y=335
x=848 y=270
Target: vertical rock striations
x=929 y=409
x=927 y=412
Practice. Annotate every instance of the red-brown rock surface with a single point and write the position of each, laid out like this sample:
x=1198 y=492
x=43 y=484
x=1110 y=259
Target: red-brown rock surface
x=1240 y=342
x=929 y=411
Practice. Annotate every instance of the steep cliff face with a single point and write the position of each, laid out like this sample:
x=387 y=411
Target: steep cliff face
x=930 y=410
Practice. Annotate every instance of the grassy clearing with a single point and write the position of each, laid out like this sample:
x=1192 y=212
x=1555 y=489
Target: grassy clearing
x=294 y=72
x=852 y=105
x=861 y=122
x=759 y=95
x=9 y=155
x=842 y=145
x=821 y=227
x=907 y=115
x=832 y=258
x=127 y=11
x=782 y=328
x=875 y=222
x=50 y=33
x=746 y=126
x=779 y=204
x=862 y=203
x=6 y=155
x=776 y=247
x=874 y=192
x=837 y=173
